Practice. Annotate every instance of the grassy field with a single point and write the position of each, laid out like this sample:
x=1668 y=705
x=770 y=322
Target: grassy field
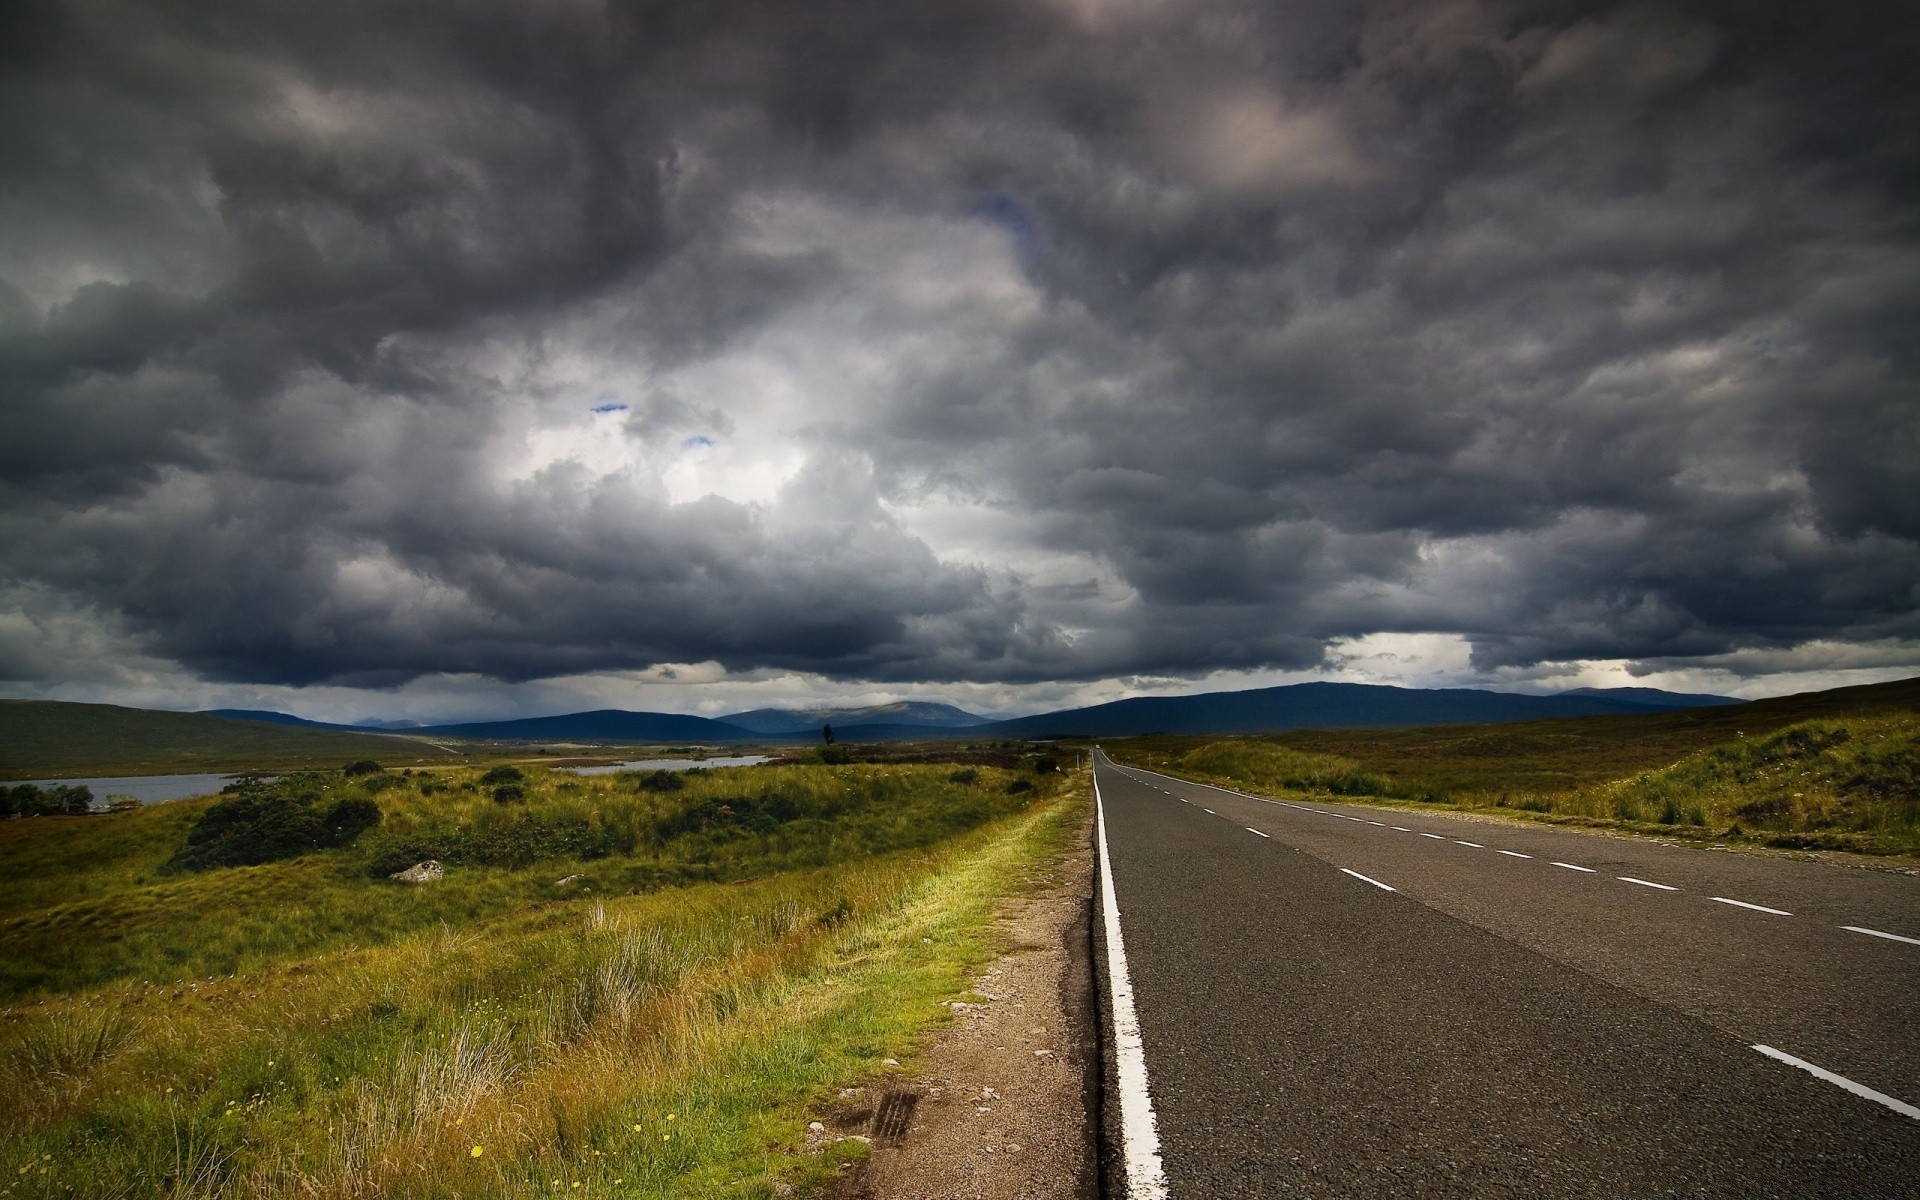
x=41 y=739
x=1833 y=770
x=738 y=949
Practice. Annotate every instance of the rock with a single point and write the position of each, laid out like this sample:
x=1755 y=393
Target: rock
x=816 y=1127
x=420 y=872
x=889 y=1062
x=574 y=881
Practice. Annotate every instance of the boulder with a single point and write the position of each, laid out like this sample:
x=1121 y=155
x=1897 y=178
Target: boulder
x=420 y=872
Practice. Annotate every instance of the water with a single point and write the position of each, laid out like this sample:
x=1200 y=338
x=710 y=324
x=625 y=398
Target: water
x=147 y=789
x=675 y=764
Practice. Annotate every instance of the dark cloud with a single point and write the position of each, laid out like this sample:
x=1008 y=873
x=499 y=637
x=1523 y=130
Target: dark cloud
x=1001 y=341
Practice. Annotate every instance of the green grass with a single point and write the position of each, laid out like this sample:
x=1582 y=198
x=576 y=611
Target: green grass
x=42 y=739
x=1827 y=770
x=664 y=1042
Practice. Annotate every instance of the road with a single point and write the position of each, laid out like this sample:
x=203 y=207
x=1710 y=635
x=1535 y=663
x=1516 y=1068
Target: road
x=1348 y=1001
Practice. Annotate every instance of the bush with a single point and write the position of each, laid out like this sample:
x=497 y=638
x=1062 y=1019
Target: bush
x=1018 y=786
x=662 y=781
x=833 y=755
x=505 y=773
x=365 y=766
x=964 y=775
x=508 y=793
x=262 y=823
x=55 y=800
x=1045 y=764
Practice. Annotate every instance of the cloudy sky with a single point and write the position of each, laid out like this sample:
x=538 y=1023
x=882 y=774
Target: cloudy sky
x=412 y=359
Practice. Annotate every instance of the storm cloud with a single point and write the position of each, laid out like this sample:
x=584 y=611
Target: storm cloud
x=999 y=341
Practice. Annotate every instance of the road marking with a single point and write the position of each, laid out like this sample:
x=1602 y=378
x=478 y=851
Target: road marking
x=1665 y=887
x=1436 y=837
x=1475 y=845
x=1513 y=854
x=1356 y=820
x=1255 y=832
x=1778 y=912
x=1403 y=829
x=1858 y=1089
x=1375 y=882
x=1892 y=937
x=1381 y=824
x=1573 y=867
x=1139 y=1129
x=1210 y=812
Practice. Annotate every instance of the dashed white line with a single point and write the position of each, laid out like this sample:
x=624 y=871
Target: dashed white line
x=1475 y=845
x=1356 y=820
x=1778 y=912
x=1139 y=1128
x=1892 y=937
x=1210 y=812
x=1403 y=829
x=1513 y=854
x=1858 y=1089
x=1255 y=832
x=1362 y=878
x=1665 y=887
x=1436 y=837
x=1576 y=867
x=1381 y=824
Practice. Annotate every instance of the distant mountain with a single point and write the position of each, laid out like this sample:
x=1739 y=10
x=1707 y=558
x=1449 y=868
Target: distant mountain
x=1654 y=698
x=603 y=725
x=269 y=717
x=905 y=713
x=1318 y=705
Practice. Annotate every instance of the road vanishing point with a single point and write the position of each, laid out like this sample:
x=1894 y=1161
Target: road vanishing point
x=1313 y=999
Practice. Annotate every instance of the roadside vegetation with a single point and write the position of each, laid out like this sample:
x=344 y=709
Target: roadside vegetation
x=1846 y=781
x=615 y=989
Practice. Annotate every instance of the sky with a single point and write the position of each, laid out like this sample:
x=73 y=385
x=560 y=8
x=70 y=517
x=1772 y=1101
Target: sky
x=418 y=360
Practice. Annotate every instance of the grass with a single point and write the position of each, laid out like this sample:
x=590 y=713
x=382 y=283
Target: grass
x=42 y=739
x=663 y=1042
x=1834 y=770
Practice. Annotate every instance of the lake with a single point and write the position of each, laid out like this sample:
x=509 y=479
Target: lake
x=147 y=789
x=675 y=764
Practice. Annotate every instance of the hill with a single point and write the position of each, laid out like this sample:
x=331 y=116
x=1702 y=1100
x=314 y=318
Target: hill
x=1322 y=706
x=56 y=739
x=904 y=714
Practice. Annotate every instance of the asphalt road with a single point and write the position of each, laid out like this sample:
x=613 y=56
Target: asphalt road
x=1523 y=1014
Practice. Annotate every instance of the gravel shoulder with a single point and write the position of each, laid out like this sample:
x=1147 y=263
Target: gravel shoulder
x=1001 y=1105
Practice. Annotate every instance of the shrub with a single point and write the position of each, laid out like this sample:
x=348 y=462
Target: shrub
x=662 y=781
x=835 y=755
x=263 y=823
x=508 y=793
x=1045 y=764
x=505 y=773
x=1018 y=786
x=55 y=800
x=365 y=766
x=964 y=775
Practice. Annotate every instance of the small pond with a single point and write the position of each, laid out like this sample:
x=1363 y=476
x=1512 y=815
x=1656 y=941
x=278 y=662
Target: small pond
x=147 y=789
x=674 y=764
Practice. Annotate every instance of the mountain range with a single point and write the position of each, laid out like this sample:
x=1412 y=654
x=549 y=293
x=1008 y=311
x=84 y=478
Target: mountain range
x=1259 y=710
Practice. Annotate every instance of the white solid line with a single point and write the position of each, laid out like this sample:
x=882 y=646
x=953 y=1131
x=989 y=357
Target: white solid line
x=1139 y=1129
x=1572 y=867
x=1513 y=854
x=1475 y=845
x=1403 y=829
x=1436 y=837
x=1375 y=882
x=1858 y=1089
x=1892 y=937
x=1665 y=887
x=1778 y=912
x=1255 y=832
